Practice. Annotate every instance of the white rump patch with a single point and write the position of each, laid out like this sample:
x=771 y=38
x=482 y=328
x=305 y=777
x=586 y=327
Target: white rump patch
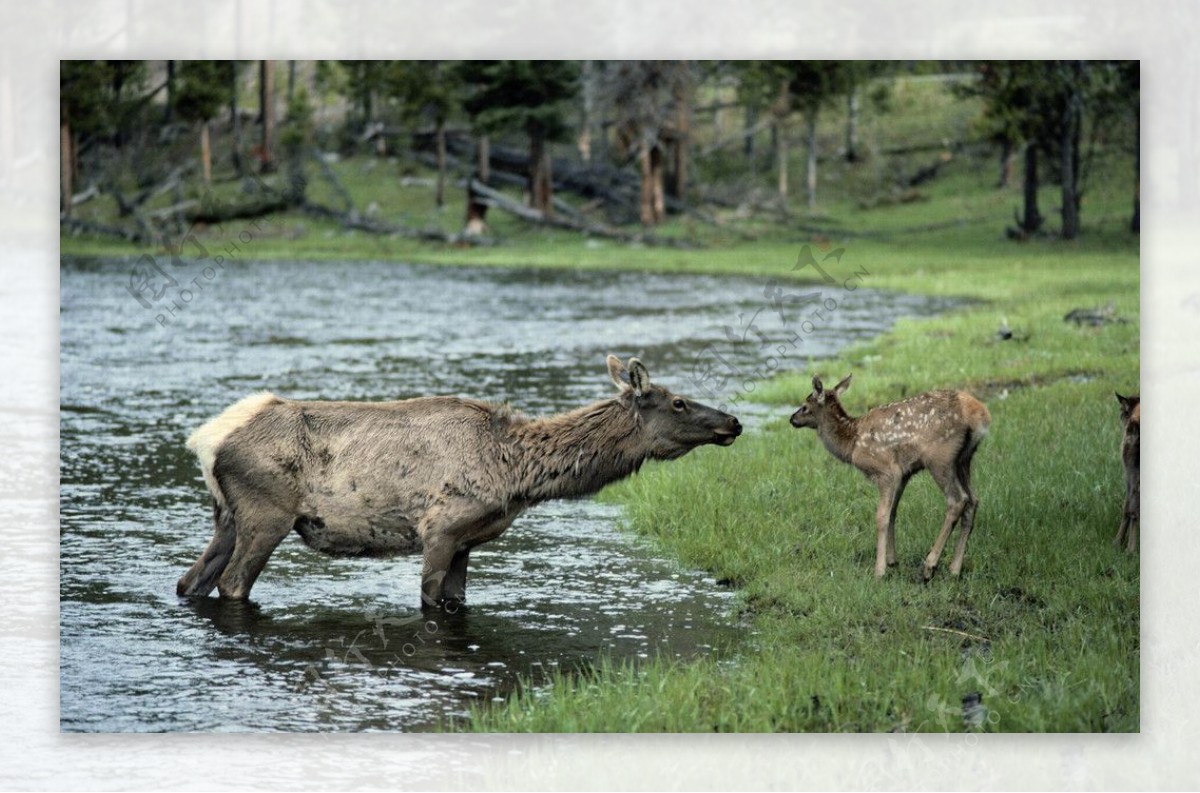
x=205 y=441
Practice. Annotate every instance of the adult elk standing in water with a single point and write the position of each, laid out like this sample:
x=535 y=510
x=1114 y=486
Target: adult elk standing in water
x=438 y=475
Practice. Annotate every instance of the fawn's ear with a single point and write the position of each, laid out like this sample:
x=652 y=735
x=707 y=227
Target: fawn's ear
x=618 y=372
x=818 y=390
x=841 y=387
x=639 y=377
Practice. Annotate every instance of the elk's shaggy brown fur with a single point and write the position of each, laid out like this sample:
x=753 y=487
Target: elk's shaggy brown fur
x=938 y=431
x=436 y=475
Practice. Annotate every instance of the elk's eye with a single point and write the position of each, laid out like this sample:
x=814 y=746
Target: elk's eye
x=678 y=404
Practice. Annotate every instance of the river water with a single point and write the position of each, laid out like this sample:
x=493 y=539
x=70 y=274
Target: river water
x=337 y=644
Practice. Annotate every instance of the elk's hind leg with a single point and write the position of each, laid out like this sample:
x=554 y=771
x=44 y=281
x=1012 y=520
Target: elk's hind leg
x=202 y=577
x=261 y=526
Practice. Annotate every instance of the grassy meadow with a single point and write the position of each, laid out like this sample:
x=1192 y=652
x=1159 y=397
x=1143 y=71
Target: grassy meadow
x=1044 y=622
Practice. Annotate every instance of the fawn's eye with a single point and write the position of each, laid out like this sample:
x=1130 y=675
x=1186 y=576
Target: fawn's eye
x=678 y=404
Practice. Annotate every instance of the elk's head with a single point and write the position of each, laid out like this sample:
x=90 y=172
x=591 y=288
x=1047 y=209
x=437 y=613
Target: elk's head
x=672 y=425
x=809 y=414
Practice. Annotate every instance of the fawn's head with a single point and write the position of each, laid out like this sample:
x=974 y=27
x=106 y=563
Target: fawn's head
x=671 y=425
x=809 y=414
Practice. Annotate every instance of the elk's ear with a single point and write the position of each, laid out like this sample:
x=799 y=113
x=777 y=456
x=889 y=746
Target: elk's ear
x=1126 y=402
x=841 y=387
x=618 y=372
x=639 y=377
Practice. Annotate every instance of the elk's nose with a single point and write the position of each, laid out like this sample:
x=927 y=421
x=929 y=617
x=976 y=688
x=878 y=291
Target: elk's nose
x=735 y=426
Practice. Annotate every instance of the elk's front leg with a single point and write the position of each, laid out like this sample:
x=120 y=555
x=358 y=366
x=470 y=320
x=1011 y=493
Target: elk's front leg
x=454 y=587
x=444 y=530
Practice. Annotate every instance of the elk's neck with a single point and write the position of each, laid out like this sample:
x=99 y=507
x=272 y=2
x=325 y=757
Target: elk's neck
x=577 y=453
x=838 y=431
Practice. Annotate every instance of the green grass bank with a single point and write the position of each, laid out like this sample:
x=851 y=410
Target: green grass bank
x=1045 y=619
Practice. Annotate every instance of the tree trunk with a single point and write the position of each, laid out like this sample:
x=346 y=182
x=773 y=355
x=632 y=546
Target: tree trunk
x=658 y=200
x=291 y=90
x=66 y=164
x=205 y=154
x=852 y=126
x=750 y=122
x=779 y=139
x=1068 y=144
x=1007 y=154
x=1135 y=224
x=646 y=202
x=440 y=140
x=477 y=207
x=235 y=119
x=266 y=98
x=170 y=109
x=540 y=190
x=683 y=133
x=1033 y=219
x=587 y=81
x=485 y=159
x=812 y=158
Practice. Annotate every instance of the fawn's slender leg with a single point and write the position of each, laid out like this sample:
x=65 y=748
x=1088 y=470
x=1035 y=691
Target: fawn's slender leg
x=891 y=543
x=968 y=515
x=889 y=494
x=956 y=502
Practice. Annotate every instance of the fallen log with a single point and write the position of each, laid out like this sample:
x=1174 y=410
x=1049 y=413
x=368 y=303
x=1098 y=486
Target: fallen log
x=85 y=196
x=87 y=226
x=355 y=221
x=486 y=195
x=216 y=212
x=174 y=209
